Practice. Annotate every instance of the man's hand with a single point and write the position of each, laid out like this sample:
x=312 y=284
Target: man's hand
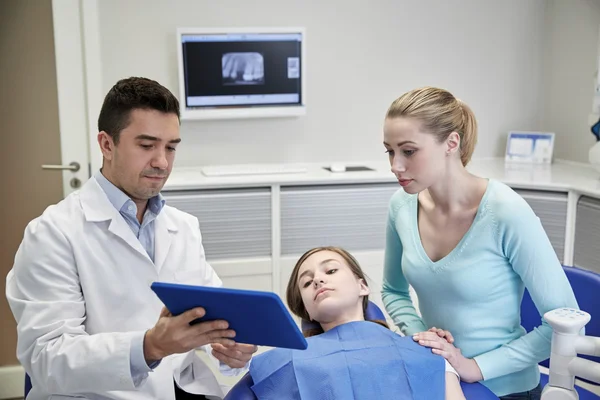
x=467 y=368
x=174 y=335
x=235 y=356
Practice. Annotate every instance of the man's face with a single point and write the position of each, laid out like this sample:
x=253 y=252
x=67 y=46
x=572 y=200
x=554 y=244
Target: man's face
x=142 y=160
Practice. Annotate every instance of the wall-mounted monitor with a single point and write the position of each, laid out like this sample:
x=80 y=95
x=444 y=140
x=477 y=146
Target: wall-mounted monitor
x=241 y=72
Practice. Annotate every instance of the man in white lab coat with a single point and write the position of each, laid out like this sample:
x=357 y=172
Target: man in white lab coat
x=88 y=323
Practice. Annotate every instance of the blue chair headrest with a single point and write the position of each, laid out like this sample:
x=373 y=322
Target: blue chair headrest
x=371 y=313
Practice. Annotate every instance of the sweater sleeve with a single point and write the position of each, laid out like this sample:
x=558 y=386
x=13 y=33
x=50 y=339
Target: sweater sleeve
x=531 y=255
x=395 y=289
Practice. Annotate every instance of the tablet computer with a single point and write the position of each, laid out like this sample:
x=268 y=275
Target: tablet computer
x=257 y=317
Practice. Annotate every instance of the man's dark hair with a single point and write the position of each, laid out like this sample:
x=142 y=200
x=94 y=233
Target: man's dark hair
x=130 y=94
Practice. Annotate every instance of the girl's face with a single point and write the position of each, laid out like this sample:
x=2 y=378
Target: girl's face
x=330 y=291
x=416 y=157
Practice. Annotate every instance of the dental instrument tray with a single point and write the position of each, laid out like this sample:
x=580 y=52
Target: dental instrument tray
x=257 y=317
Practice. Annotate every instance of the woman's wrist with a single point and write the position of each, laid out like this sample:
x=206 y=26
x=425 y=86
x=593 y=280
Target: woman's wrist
x=469 y=370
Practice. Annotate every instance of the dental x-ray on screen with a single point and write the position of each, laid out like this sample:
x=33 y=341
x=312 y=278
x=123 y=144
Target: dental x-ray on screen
x=236 y=73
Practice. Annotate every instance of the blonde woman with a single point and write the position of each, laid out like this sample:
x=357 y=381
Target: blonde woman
x=469 y=246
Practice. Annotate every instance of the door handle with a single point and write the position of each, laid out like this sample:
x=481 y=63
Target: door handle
x=74 y=166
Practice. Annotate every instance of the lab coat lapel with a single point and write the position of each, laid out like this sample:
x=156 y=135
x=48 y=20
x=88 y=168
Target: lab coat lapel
x=97 y=207
x=119 y=227
x=164 y=231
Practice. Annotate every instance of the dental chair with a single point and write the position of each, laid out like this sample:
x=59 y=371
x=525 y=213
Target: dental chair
x=242 y=390
x=564 y=365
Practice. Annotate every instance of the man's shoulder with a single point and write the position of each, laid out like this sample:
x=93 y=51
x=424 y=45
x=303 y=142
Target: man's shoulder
x=59 y=217
x=65 y=210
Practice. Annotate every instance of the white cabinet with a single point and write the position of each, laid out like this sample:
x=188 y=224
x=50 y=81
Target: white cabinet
x=348 y=216
x=551 y=208
x=587 y=234
x=253 y=239
x=235 y=223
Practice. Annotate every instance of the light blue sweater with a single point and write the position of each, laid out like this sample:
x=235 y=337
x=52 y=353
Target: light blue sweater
x=475 y=291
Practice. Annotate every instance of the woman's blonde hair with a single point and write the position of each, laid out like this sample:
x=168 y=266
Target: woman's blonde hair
x=441 y=114
x=294 y=298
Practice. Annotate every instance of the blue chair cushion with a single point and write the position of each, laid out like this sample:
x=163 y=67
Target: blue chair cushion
x=586 y=285
x=27 y=385
x=241 y=390
x=372 y=312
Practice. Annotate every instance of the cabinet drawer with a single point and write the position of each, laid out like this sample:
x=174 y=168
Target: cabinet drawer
x=234 y=223
x=551 y=208
x=349 y=216
x=587 y=234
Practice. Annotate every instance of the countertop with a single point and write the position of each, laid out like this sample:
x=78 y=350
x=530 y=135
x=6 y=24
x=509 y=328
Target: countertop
x=562 y=176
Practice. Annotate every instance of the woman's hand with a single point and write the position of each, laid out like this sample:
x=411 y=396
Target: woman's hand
x=467 y=368
x=443 y=334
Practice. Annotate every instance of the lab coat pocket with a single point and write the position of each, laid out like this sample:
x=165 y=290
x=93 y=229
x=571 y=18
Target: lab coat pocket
x=189 y=276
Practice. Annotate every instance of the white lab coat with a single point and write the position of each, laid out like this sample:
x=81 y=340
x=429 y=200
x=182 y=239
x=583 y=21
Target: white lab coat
x=80 y=289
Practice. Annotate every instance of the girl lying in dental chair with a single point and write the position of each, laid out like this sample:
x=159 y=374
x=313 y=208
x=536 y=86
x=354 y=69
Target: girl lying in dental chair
x=348 y=357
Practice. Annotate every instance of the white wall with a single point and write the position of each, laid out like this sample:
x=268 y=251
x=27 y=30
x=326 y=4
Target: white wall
x=360 y=57
x=570 y=61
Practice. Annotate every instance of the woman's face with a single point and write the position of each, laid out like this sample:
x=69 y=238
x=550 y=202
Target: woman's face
x=416 y=158
x=329 y=288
